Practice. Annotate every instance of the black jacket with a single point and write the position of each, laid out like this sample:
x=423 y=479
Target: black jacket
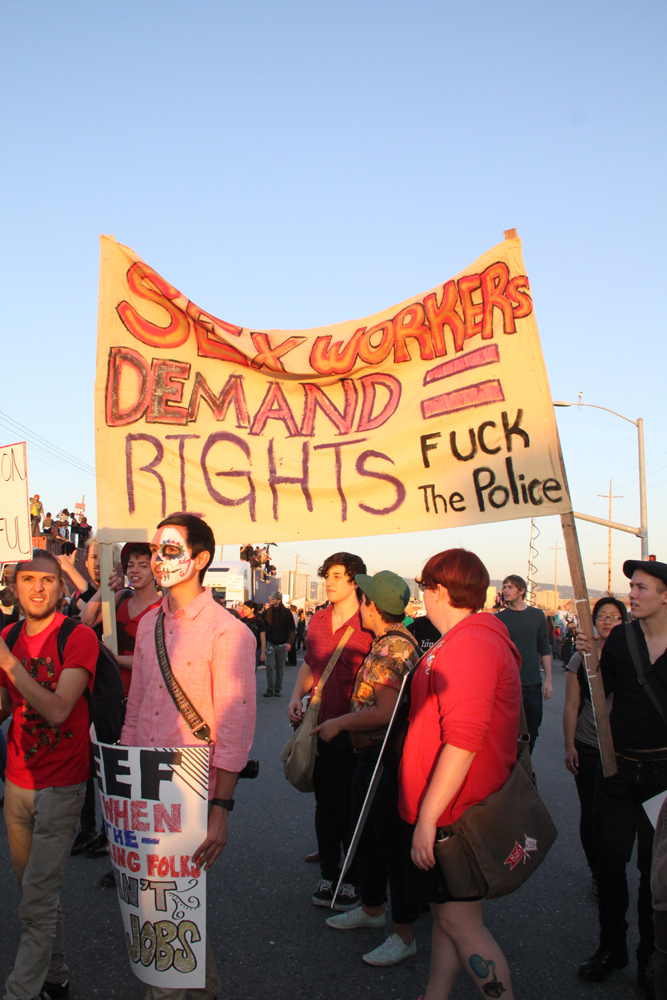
x=279 y=625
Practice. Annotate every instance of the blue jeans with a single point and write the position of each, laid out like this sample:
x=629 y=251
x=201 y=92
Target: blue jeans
x=275 y=665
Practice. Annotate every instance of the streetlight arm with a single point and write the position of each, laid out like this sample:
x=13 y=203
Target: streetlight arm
x=594 y=406
x=639 y=424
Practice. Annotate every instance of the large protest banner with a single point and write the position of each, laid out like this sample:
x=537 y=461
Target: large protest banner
x=433 y=413
x=155 y=804
x=15 y=533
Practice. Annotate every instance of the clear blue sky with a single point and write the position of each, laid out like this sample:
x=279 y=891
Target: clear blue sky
x=292 y=164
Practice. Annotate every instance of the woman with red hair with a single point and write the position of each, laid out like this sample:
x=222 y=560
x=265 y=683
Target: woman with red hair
x=460 y=747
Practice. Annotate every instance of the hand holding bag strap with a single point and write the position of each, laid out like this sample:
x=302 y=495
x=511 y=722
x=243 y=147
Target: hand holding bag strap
x=197 y=726
x=648 y=678
x=299 y=753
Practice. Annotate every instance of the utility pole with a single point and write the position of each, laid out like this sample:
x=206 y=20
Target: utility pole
x=296 y=570
x=611 y=497
x=556 y=573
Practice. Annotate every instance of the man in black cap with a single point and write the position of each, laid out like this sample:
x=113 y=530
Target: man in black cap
x=639 y=731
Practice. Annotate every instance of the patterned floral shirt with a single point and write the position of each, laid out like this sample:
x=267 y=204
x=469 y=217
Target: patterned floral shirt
x=390 y=658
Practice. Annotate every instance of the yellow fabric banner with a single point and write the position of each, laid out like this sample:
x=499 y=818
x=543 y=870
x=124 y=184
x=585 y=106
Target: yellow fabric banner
x=433 y=413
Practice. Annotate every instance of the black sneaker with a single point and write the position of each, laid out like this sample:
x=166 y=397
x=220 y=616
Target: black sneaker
x=82 y=842
x=268 y=694
x=645 y=976
x=55 y=991
x=108 y=881
x=277 y=694
x=99 y=847
x=348 y=898
x=323 y=893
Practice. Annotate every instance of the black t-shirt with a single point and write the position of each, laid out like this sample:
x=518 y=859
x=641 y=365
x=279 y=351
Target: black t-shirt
x=424 y=632
x=88 y=594
x=279 y=625
x=85 y=597
x=257 y=625
x=635 y=723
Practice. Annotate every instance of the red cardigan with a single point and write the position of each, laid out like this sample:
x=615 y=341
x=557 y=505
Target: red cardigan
x=466 y=692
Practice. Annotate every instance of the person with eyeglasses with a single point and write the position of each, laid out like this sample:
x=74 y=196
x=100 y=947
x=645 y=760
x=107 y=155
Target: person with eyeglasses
x=639 y=732
x=582 y=750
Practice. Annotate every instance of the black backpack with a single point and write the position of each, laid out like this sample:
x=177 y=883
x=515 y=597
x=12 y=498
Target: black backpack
x=106 y=703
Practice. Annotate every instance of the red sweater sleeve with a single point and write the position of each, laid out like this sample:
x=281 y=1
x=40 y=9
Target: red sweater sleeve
x=465 y=699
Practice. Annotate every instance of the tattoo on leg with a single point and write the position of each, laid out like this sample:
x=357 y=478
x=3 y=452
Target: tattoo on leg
x=483 y=968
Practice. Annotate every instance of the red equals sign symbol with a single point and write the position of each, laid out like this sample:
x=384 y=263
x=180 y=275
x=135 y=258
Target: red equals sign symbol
x=469 y=396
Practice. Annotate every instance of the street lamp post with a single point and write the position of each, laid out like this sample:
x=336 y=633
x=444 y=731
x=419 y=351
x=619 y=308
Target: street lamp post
x=643 y=527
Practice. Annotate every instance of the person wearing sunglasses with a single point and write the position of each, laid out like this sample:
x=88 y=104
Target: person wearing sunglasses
x=582 y=750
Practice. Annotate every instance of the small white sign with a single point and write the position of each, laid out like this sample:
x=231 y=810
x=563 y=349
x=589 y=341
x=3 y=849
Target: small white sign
x=155 y=805
x=653 y=806
x=15 y=533
x=234 y=591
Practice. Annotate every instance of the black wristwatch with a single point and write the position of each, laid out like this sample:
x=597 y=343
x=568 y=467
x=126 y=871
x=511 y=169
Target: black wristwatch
x=227 y=804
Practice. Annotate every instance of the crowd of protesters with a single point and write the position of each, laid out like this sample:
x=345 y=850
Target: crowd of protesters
x=472 y=675
x=65 y=527
x=259 y=558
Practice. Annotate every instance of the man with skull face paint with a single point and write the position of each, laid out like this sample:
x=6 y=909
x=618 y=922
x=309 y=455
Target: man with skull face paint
x=212 y=656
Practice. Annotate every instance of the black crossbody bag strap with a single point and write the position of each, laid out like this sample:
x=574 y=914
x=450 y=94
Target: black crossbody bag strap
x=410 y=637
x=648 y=678
x=197 y=726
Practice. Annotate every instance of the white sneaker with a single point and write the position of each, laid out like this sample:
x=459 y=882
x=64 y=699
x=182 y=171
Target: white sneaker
x=356 y=918
x=391 y=952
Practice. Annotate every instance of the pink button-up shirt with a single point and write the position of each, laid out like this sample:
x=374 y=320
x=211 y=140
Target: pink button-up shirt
x=212 y=656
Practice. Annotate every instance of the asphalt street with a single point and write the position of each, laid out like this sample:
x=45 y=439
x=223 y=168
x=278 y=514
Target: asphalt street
x=271 y=943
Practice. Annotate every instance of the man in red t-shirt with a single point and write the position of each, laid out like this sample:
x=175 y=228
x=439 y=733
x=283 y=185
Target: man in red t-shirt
x=48 y=763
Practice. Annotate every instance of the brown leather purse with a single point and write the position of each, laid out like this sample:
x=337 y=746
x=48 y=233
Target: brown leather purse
x=496 y=845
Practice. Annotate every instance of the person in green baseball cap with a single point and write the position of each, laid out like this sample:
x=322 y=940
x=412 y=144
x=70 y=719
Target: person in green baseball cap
x=381 y=851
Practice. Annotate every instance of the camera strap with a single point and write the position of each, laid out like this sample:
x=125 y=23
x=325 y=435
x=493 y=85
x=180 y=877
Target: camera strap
x=197 y=726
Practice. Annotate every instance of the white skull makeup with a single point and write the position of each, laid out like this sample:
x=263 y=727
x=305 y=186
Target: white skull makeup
x=173 y=562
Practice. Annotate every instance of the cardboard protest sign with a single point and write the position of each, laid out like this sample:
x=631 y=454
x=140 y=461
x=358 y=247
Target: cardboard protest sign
x=155 y=804
x=433 y=413
x=15 y=532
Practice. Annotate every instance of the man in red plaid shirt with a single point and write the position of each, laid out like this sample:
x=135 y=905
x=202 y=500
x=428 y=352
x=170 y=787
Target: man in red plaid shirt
x=335 y=761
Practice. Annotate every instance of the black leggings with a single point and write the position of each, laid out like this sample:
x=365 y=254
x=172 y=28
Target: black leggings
x=589 y=765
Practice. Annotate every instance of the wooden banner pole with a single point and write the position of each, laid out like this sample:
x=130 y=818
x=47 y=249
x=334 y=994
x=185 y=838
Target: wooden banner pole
x=583 y=609
x=108 y=598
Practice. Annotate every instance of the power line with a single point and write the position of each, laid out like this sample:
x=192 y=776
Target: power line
x=43 y=441
x=41 y=444
x=40 y=452
x=634 y=467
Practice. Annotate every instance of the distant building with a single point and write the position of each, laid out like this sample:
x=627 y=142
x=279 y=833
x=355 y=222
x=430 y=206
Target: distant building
x=546 y=599
x=318 y=591
x=295 y=585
